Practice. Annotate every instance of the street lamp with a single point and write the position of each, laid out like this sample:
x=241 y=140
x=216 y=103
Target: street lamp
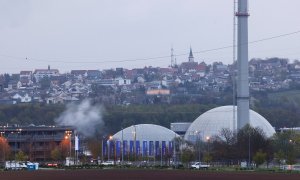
x=249 y=151
x=161 y=155
x=122 y=145
x=207 y=139
x=108 y=147
x=19 y=137
x=174 y=150
x=114 y=148
x=198 y=140
x=69 y=136
x=134 y=142
x=102 y=153
x=250 y=131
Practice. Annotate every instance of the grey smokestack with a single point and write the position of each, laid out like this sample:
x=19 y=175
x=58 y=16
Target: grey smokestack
x=243 y=81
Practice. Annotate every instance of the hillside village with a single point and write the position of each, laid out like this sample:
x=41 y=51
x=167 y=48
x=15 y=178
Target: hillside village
x=146 y=85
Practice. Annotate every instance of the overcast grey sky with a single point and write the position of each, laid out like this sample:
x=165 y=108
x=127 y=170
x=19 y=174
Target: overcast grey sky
x=87 y=34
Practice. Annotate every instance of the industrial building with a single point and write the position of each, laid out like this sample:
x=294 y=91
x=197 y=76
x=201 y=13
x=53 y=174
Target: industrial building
x=37 y=142
x=180 y=127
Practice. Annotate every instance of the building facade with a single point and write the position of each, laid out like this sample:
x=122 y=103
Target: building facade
x=37 y=142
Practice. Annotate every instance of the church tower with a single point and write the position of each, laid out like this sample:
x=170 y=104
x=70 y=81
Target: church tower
x=191 y=57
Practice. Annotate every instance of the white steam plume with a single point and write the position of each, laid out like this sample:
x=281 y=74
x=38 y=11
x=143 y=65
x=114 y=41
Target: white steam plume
x=85 y=117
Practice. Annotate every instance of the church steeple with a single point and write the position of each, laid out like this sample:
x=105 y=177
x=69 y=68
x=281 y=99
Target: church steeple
x=191 y=57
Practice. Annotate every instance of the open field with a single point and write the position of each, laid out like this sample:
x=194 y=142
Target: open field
x=114 y=174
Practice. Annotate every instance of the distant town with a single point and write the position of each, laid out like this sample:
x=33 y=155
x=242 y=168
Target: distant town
x=146 y=85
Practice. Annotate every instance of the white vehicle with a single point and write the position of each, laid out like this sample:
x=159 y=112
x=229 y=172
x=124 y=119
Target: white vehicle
x=290 y=167
x=108 y=163
x=15 y=165
x=200 y=165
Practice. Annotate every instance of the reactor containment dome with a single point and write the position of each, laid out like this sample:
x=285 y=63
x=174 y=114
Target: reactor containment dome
x=213 y=121
x=146 y=132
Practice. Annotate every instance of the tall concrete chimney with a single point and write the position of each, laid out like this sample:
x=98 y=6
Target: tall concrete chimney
x=242 y=62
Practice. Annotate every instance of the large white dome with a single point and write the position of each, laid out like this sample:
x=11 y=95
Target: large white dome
x=213 y=121
x=146 y=132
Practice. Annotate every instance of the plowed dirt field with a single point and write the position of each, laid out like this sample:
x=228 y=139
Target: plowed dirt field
x=122 y=174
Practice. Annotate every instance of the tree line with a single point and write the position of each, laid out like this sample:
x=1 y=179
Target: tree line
x=116 y=117
x=248 y=144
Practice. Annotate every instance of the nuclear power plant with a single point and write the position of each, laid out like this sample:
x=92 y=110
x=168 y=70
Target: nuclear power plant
x=146 y=141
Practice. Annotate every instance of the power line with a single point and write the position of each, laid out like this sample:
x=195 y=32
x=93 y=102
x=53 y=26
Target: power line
x=149 y=58
x=275 y=37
